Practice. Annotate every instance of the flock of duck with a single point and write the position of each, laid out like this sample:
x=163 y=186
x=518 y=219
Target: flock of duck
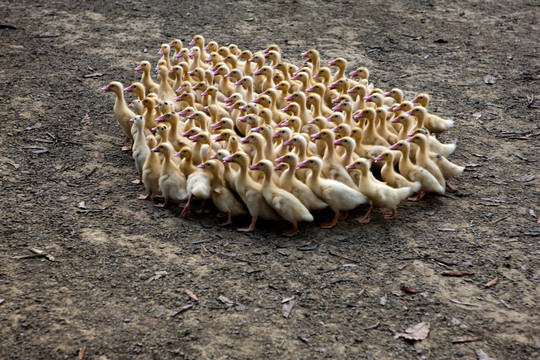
x=260 y=136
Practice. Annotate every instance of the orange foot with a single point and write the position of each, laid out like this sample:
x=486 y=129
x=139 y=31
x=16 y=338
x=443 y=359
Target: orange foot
x=391 y=214
x=418 y=197
x=144 y=197
x=451 y=187
x=364 y=219
x=126 y=148
x=136 y=182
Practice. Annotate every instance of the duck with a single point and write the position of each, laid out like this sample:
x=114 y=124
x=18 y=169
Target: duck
x=434 y=144
x=341 y=64
x=289 y=182
x=150 y=85
x=314 y=100
x=281 y=136
x=247 y=83
x=423 y=159
x=266 y=72
x=337 y=195
x=379 y=194
x=433 y=123
x=202 y=149
x=211 y=46
x=390 y=176
x=447 y=169
x=274 y=57
x=371 y=136
x=250 y=192
x=173 y=119
x=283 y=202
x=360 y=91
x=175 y=45
x=267 y=132
x=165 y=90
x=140 y=149
x=331 y=168
x=395 y=94
x=137 y=107
x=172 y=182
x=384 y=128
x=349 y=144
x=122 y=113
x=313 y=56
x=138 y=89
x=198 y=40
x=151 y=170
x=223 y=198
x=165 y=51
x=362 y=73
x=412 y=172
x=198 y=185
x=246 y=55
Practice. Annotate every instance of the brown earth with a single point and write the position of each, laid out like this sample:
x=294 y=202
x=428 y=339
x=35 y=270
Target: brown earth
x=100 y=292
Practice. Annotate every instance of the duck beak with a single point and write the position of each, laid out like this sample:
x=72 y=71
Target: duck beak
x=332 y=63
x=132 y=120
x=194 y=138
x=312 y=121
x=353 y=74
x=305 y=54
x=350 y=91
x=337 y=108
x=160 y=52
x=186 y=133
x=359 y=115
x=128 y=89
x=338 y=142
x=178 y=154
x=106 y=89
x=171 y=71
x=256 y=100
x=258 y=72
x=393 y=147
x=317 y=75
x=218 y=138
x=154 y=129
x=228 y=159
x=201 y=166
x=308 y=90
x=379 y=158
x=160 y=118
x=156 y=149
x=254 y=167
x=350 y=166
x=213 y=156
x=288 y=142
x=302 y=165
x=138 y=68
x=244 y=140
x=316 y=136
x=277 y=167
x=409 y=112
x=280 y=159
x=411 y=133
x=192 y=42
x=289 y=98
x=332 y=86
x=387 y=94
x=368 y=97
x=215 y=125
x=411 y=139
x=204 y=93
x=414 y=101
x=257 y=129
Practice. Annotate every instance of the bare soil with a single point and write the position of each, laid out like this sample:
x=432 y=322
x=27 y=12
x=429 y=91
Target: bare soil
x=61 y=146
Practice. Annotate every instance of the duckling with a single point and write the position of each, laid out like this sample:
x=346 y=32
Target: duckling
x=315 y=101
x=138 y=89
x=122 y=112
x=371 y=136
x=172 y=181
x=379 y=194
x=137 y=107
x=165 y=90
x=360 y=91
x=198 y=40
x=250 y=192
x=246 y=55
x=266 y=72
x=447 y=169
x=202 y=149
x=391 y=177
x=289 y=182
x=267 y=133
x=211 y=46
x=165 y=51
x=434 y=144
x=150 y=85
x=247 y=83
x=384 y=128
x=221 y=196
x=423 y=159
x=363 y=74
x=331 y=167
x=395 y=94
x=172 y=118
x=341 y=64
x=283 y=202
x=274 y=57
x=272 y=47
x=314 y=57
x=415 y=173
x=198 y=186
x=346 y=108
x=175 y=45
x=349 y=144
x=140 y=147
x=337 y=195
x=151 y=170
x=433 y=123
x=282 y=135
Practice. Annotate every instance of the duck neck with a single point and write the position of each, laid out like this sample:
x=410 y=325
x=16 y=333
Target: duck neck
x=120 y=102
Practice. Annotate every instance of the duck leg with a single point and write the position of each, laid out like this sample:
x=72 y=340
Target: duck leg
x=145 y=197
x=418 y=197
x=344 y=215
x=201 y=210
x=229 y=219
x=293 y=231
x=251 y=226
x=187 y=209
x=164 y=205
x=138 y=181
x=391 y=214
x=366 y=218
x=128 y=146
x=333 y=223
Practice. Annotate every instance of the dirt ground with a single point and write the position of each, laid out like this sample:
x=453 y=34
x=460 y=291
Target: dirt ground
x=117 y=285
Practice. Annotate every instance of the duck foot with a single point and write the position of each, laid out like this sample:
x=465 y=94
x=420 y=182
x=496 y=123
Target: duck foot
x=451 y=187
x=251 y=226
x=126 y=148
x=137 y=182
x=332 y=223
x=418 y=197
x=366 y=218
x=391 y=214
x=144 y=197
x=344 y=215
x=292 y=231
x=160 y=205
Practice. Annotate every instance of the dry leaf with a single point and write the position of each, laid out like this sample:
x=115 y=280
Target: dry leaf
x=492 y=282
x=287 y=307
x=526 y=178
x=81 y=205
x=158 y=275
x=226 y=300
x=462 y=303
x=477 y=116
x=419 y=331
x=489 y=79
x=398 y=293
x=189 y=306
x=191 y=295
x=85 y=120
x=482 y=355
x=532 y=213
x=384 y=301
x=467 y=339
x=456 y=273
